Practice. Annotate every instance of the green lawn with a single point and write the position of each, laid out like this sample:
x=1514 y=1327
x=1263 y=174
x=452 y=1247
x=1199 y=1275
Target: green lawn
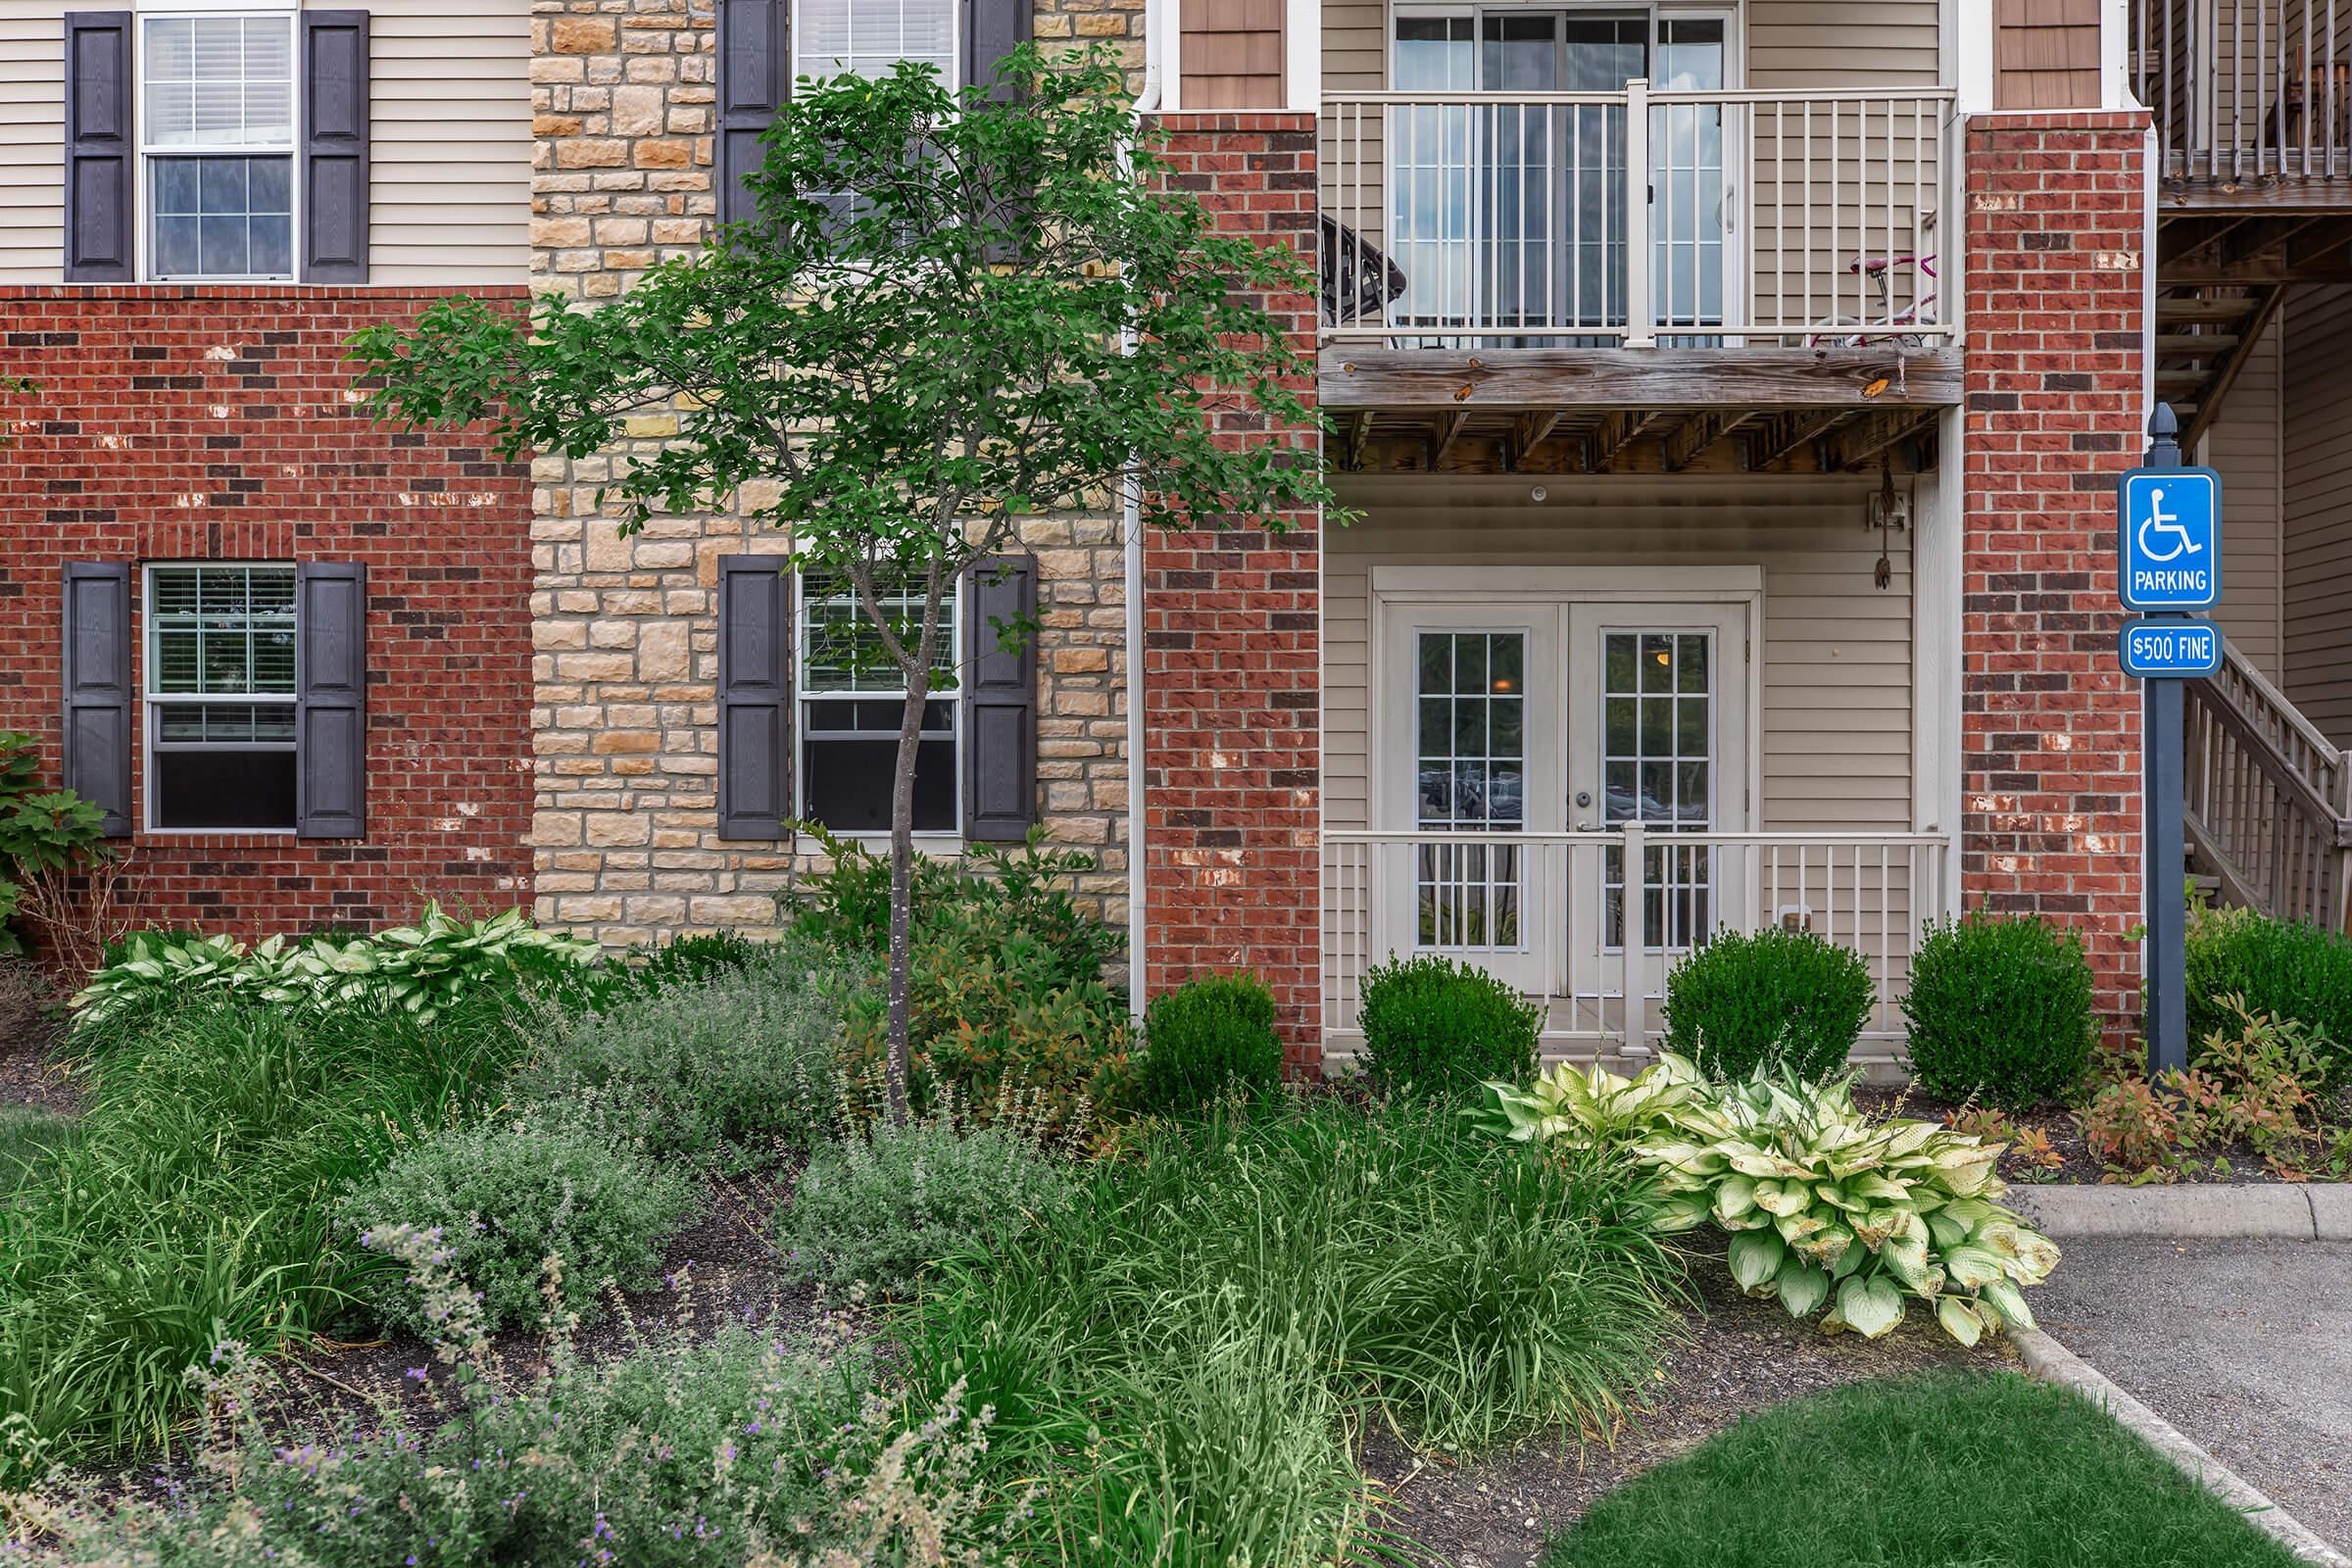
x=1950 y=1469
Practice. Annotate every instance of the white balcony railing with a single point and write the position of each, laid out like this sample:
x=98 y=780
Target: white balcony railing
x=1508 y=219
x=1547 y=912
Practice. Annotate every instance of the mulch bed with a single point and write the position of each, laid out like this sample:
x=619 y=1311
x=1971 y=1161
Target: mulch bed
x=28 y=1033
x=2057 y=1123
x=1742 y=1357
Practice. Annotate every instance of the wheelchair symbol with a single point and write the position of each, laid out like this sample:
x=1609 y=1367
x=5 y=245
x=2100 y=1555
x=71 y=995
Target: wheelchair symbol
x=2160 y=521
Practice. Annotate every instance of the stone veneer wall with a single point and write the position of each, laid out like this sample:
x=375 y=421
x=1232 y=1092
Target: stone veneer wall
x=624 y=834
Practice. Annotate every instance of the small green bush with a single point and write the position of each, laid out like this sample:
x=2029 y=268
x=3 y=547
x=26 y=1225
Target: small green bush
x=1209 y=1038
x=1783 y=1000
x=2294 y=971
x=726 y=1073
x=995 y=1018
x=1434 y=1026
x=1999 y=1007
x=652 y=967
x=507 y=1196
x=880 y=1210
x=1028 y=889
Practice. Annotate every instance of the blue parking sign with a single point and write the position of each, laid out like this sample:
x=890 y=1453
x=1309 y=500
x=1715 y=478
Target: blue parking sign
x=2180 y=650
x=2170 y=539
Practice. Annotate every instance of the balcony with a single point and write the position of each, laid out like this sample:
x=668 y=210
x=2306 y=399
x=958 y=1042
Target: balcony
x=2252 y=100
x=1637 y=269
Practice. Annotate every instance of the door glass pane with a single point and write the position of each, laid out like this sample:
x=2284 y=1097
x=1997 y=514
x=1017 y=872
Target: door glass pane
x=1430 y=229
x=1470 y=773
x=1686 y=180
x=1657 y=768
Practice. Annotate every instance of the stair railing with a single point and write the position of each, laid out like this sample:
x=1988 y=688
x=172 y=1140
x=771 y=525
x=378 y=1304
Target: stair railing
x=2270 y=797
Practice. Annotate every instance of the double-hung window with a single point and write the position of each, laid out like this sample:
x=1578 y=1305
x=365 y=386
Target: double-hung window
x=851 y=699
x=870 y=37
x=221 y=697
x=216 y=131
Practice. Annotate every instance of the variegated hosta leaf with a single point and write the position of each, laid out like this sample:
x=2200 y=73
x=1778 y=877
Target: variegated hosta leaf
x=1802 y=1286
x=1959 y=1320
x=2008 y=1301
x=1755 y=1258
x=1870 y=1305
x=1734 y=1196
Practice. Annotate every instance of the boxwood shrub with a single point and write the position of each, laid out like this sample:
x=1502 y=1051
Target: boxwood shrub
x=1999 y=1007
x=1210 y=1037
x=1787 y=1001
x=2296 y=971
x=1434 y=1026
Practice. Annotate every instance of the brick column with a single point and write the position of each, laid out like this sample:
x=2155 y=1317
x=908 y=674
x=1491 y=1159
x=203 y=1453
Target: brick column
x=2050 y=823
x=1232 y=701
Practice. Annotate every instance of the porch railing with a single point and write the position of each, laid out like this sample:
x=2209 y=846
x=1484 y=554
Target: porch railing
x=2269 y=798
x=2247 y=89
x=1509 y=217
x=1548 y=913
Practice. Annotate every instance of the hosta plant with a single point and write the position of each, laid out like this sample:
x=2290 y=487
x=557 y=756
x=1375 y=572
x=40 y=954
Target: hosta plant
x=1824 y=1206
x=420 y=968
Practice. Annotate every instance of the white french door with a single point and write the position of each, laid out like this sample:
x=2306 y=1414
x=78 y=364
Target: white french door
x=1548 y=716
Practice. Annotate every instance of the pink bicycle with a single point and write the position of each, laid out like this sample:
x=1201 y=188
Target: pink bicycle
x=1901 y=327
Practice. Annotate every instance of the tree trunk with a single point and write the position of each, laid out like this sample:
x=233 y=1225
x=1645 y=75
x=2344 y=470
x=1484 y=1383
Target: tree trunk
x=901 y=886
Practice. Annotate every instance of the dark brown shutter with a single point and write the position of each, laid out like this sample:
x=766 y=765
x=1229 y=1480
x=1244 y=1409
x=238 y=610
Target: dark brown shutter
x=98 y=147
x=334 y=146
x=754 y=76
x=992 y=29
x=754 y=697
x=999 y=700
x=97 y=683
x=330 y=704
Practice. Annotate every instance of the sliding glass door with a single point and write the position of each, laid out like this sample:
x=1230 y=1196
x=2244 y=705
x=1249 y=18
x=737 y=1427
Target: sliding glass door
x=1511 y=216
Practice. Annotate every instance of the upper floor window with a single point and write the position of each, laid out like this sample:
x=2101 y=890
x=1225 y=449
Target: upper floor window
x=217 y=134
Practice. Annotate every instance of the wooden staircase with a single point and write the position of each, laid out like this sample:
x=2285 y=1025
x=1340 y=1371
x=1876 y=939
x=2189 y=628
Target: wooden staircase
x=2268 y=799
x=2204 y=340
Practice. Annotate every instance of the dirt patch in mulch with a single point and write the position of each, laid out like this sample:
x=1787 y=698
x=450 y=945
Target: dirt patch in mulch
x=29 y=1027
x=1740 y=1356
x=2243 y=1165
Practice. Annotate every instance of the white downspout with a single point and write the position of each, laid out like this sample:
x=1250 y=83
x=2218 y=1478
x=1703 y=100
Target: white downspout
x=1131 y=534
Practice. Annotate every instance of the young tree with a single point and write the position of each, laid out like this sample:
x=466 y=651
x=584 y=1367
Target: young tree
x=922 y=337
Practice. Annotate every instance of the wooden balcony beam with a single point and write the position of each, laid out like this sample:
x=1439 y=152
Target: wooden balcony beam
x=1682 y=380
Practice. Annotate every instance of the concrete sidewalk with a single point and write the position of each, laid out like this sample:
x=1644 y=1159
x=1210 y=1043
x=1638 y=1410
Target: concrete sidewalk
x=2245 y=1346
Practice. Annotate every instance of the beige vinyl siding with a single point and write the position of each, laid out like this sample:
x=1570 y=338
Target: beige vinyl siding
x=1843 y=43
x=1835 y=727
x=450 y=106
x=32 y=142
x=2243 y=448
x=450 y=186
x=2317 y=545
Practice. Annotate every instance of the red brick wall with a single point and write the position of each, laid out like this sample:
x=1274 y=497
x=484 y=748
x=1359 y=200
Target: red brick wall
x=211 y=422
x=2051 y=806
x=1232 y=806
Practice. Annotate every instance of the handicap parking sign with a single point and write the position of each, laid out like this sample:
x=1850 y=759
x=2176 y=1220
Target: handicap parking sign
x=2170 y=541
x=2181 y=650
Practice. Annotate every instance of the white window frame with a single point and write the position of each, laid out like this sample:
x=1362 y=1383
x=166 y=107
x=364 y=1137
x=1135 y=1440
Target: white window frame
x=802 y=696
x=151 y=699
x=953 y=76
x=143 y=223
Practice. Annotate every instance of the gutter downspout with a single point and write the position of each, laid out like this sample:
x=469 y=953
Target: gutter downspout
x=1131 y=534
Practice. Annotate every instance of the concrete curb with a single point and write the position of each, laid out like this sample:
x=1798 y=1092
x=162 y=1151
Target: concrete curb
x=2051 y=1363
x=2313 y=1211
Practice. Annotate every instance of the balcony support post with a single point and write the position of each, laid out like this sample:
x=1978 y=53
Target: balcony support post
x=1640 y=321
x=1635 y=930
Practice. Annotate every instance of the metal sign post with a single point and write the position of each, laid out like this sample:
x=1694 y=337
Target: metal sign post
x=2169 y=562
